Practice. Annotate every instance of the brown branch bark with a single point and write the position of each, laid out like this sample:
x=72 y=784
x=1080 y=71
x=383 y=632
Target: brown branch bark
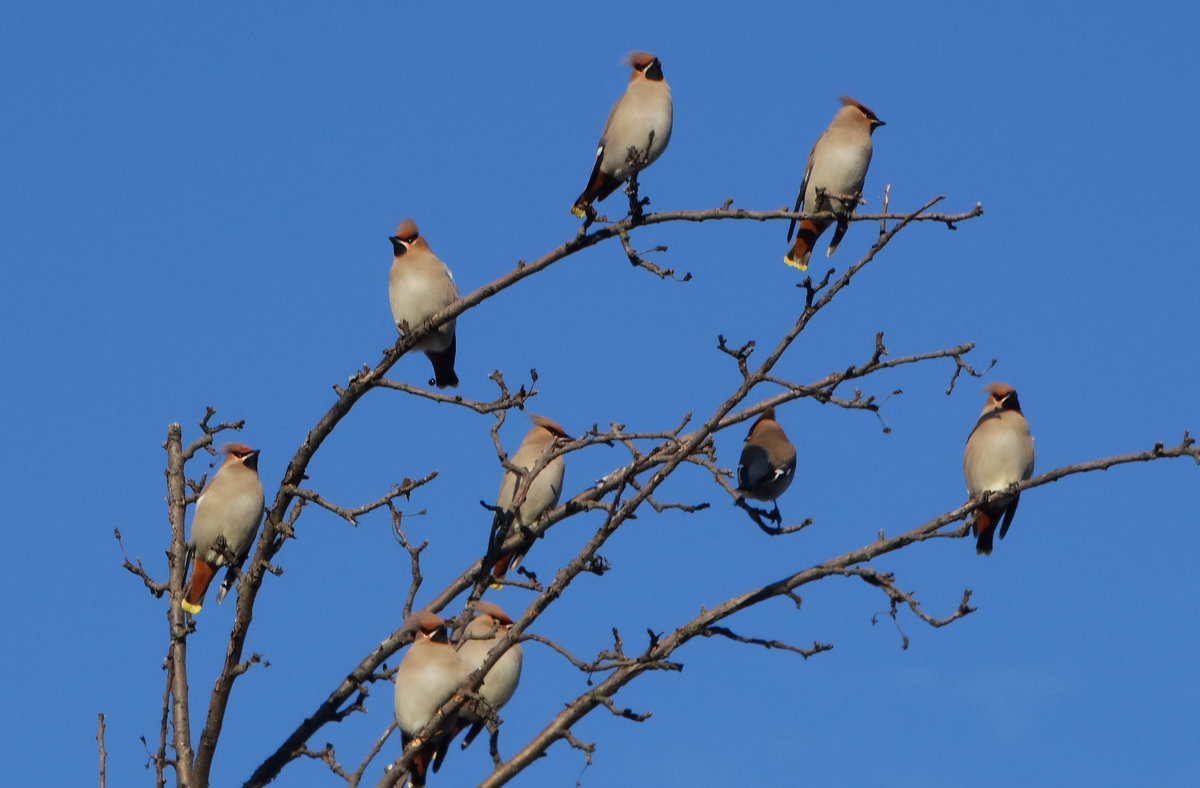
x=357 y=776
x=725 y=632
x=327 y=756
x=155 y=588
x=103 y=754
x=502 y=403
x=181 y=738
x=619 y=494
x=193 y=767
x=351 y=515
x=559 y=728
x=664 y=459
x=674 y=454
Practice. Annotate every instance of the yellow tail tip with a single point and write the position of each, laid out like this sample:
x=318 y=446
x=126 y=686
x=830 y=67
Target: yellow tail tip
x=578 y=212
x=189 y=607
x=787 y=258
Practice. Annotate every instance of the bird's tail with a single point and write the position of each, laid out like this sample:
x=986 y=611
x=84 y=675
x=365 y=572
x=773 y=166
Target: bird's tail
x=502 y=566
x=471 y=734
x=599 y=186
x=231 y=576
x=1008 y=515
x=807 y=233
x=837 y=238
x=443 y=364
x=423 y=758
x=439 y=753
x=984 y=528
x=202 y=575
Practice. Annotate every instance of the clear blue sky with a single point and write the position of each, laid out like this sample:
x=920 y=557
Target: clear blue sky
x=195 y=210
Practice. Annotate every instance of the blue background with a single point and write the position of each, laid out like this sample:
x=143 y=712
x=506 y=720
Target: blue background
x=195 y=210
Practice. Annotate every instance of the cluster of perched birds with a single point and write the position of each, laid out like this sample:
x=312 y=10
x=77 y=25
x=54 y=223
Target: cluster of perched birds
x=999 y=450
x=433 y=669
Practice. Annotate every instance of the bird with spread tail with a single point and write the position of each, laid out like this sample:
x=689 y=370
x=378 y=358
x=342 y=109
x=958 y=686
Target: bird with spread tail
x=767 y=464
x=427 y=677
x=999 y=453
x=636 y=133
x=837 y=164
x=228 y=512
x=542 y=493
x=419 y=286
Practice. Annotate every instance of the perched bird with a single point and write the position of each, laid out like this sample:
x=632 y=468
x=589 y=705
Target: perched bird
x=838 y=164
x=484 y=632
x=420 y=286
x=999 y=453
x=640 y=120
x=768 y=462
x=227 y=516
x=543 y=491
x=428 y=676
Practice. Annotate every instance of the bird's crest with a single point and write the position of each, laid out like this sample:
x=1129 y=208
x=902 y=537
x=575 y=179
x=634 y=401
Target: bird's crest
x=639 y=60
x=491 y=609
x=423 y=621
x=407 y=230
x=548 y=425
x=851 y=102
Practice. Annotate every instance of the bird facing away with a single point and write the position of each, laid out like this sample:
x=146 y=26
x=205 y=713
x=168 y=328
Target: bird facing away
x=227 y=516
x=768 y=461
x=999 y=453
x=838 y=164
x=420 y=286
x=429 y=673
x=484 y=632
x=543 y=492
x=641 y=121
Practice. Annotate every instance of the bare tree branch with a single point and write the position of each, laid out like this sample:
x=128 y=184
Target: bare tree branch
x=103 y=754
x=177 y=654
x=403 y=489
x=636 y=259
x=653 y=457
x=665 y=460
x=356 y=778
x=886 y=582
x=725 y=632
x=325 y=755
x=840 y=565
x=157 y=589
x=502 y=403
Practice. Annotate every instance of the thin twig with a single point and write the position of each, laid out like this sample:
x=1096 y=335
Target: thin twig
x=403 y=489
x=660 y=462
x=725 y=632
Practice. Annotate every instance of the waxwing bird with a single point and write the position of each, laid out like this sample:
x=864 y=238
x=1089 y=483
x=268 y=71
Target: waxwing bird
x=484 y=632
x=228 y=512
x=420 y=286
x=428 y=676
x=999 y=453
x=838 y=164
x=542 y=494
x=635 y=134
x=767 y=464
